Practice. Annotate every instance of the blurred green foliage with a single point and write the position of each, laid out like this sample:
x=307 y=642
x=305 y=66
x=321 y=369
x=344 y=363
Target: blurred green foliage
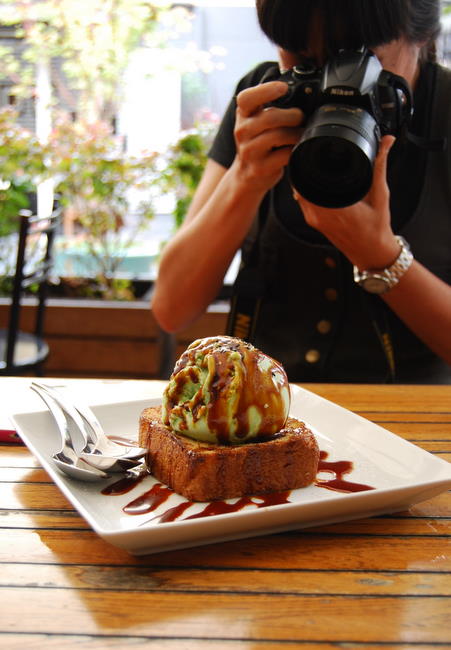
x=183 y=166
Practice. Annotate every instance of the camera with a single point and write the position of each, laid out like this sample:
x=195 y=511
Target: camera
x=349 y=104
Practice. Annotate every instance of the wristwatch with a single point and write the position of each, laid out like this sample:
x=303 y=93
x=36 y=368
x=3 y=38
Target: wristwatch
x=382 y=280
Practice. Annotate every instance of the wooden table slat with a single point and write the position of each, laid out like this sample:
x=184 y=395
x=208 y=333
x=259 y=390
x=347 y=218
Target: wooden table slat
x=294 y=550
x=188 y=579
x=279 y=618
x=104 y=642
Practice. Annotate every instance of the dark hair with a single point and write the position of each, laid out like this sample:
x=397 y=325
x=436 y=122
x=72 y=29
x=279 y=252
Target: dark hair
x=350 y=23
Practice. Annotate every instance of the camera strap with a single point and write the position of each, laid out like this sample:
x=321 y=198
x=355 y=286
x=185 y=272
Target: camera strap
x=428 y=144
x=249 y=286
x=245 y=304
x=379 y=320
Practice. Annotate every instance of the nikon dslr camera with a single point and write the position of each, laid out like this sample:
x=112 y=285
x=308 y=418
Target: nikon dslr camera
x=348 y=106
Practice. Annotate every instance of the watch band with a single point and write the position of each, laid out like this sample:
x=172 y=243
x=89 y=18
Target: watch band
x=382 y=280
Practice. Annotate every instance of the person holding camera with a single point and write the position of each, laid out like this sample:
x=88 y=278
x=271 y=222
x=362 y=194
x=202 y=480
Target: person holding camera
x=332 y=175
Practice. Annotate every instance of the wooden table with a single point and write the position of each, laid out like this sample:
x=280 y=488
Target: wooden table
x=382 y=582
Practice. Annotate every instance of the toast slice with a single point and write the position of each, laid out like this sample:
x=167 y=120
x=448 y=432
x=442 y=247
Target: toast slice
x=202 y=471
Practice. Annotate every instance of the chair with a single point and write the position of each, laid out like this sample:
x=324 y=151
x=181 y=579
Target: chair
x=25 y=352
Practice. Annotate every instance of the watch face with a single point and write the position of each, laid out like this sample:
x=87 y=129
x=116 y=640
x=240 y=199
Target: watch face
x=375 y=284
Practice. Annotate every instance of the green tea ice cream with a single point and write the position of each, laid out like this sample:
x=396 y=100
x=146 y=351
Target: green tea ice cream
x=224 y=390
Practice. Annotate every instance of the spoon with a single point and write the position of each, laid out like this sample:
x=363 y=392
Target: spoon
x=67 y=459
x=97 y=446
x=70 y=415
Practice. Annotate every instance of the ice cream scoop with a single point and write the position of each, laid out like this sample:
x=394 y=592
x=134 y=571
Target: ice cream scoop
x=224 y=390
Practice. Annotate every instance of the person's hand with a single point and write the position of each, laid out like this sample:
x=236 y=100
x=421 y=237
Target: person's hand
x=361 y=231
x=264 y=136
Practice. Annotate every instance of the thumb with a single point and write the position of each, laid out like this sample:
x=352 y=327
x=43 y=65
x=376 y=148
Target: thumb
x=379 y=184
x=309 y=210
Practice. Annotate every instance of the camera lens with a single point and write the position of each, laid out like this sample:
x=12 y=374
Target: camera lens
x=332 y=165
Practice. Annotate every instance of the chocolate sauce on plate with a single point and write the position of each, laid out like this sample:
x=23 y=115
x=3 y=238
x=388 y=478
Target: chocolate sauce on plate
x=337 y=469
x=149 y=501
x=152 y=499
x=124 y=485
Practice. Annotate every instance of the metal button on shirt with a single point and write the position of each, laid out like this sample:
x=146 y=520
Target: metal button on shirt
x=324 y=326
x=312 y=356
x=330 y=262
x=331 y=294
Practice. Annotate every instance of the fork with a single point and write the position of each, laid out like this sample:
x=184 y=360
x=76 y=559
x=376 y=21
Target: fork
x=96 y=447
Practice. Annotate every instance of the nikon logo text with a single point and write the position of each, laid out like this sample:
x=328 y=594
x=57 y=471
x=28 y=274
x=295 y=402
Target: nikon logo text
x=341 y=91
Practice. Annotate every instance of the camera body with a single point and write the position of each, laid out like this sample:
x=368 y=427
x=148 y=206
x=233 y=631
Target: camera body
x=349 y=104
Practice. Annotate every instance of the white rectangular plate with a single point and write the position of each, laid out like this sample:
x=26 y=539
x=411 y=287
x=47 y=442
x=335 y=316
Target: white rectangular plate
x=401 y=473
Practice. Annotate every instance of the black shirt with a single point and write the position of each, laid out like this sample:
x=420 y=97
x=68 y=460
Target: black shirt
x=308 y=284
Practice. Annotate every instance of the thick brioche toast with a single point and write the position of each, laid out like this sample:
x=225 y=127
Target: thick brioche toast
x=202 y=471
